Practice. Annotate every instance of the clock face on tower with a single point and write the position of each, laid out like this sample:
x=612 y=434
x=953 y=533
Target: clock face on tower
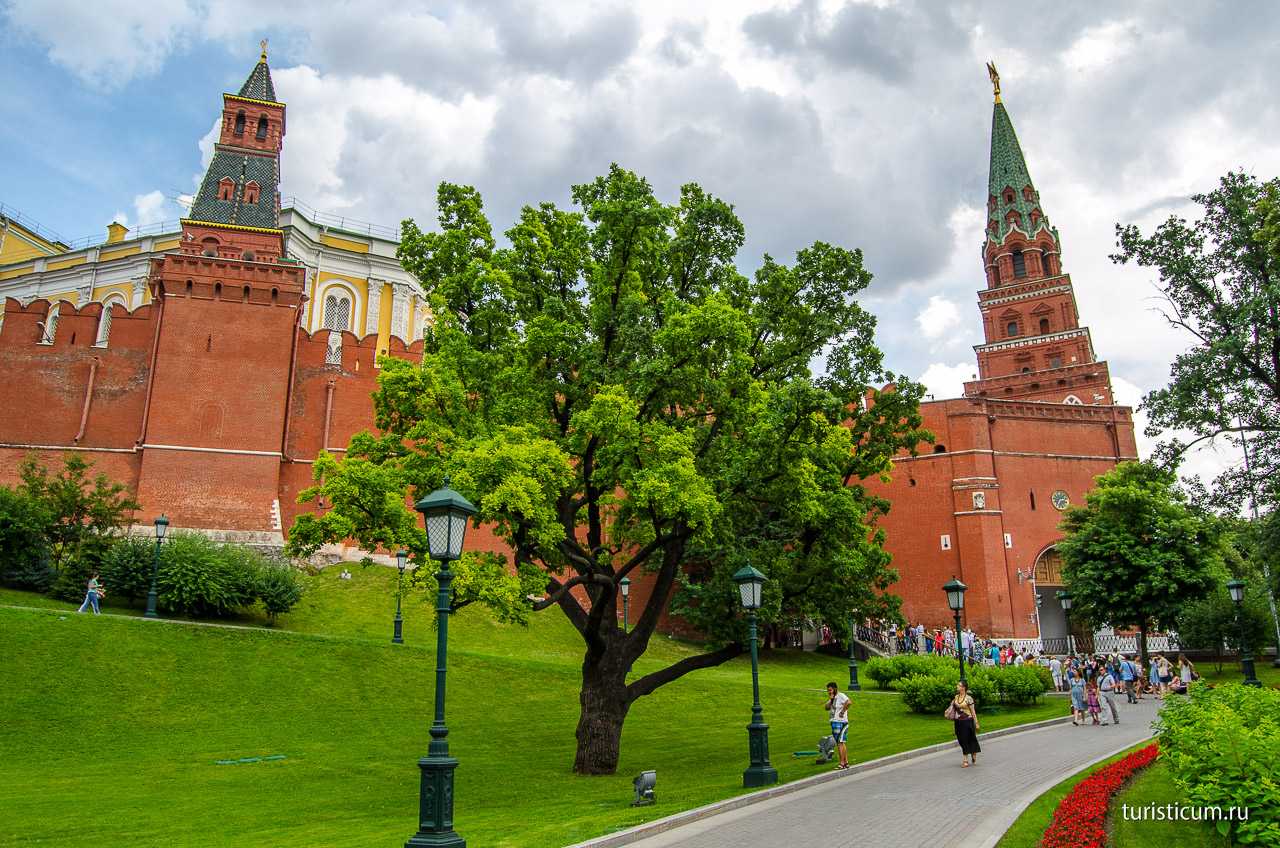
x=1060 y=499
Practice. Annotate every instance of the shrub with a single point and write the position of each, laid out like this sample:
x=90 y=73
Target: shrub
x=279 y=588
x=930 y=693
x=1019 y=684
x=1222 y=746
x=126 y=569
x=24 y=553
x=77 y=564
x=925 y=693
x=885 y=670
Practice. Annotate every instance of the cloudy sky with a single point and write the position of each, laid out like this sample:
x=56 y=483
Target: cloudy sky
x=863 y=124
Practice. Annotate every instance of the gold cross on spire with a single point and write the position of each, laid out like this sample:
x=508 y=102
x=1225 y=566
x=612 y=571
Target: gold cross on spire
x=263 y=44
x=995 y=78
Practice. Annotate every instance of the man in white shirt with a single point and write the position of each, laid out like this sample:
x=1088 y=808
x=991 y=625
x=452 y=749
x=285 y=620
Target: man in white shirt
x=838 y=708
x=1055 y=669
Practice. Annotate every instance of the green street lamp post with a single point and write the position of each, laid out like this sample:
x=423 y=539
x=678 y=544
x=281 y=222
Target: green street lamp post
x=396 y=635
x=625 y=587
x=760 y=772
x=1236 y=588
x=162 y=527
x=445 y=514
x=955 y=599
x=1064 y=598
x=854 y=686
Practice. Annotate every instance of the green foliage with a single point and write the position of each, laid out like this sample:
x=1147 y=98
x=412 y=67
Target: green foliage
x=279 y=587
x=616 y=397
x=24 y=552
x=885 y=670
x=1136 y=552
x=1021 y=684
x=1222 y=745
x=126 y=569
x=930 y=693
x=1211 y=621
x=199 y=576
x=83 y=512
x=1220 y=277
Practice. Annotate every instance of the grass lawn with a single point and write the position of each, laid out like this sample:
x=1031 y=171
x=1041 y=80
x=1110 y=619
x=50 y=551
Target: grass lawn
x=112 y=727
x=1231 y=672
x=1155 y=786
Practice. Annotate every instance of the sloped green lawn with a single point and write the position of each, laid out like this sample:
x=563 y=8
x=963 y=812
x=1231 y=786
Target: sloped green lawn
x=110 y=728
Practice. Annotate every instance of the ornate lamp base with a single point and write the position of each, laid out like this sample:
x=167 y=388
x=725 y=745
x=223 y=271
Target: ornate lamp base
x=760 y=772
x=435 y=827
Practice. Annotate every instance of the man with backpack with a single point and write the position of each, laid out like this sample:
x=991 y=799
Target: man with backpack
x=1128 y=678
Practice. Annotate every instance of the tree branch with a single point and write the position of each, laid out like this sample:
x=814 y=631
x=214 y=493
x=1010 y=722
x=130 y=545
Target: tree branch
x=650 y=682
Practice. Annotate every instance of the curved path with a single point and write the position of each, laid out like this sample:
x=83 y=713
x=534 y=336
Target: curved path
x=923 y=801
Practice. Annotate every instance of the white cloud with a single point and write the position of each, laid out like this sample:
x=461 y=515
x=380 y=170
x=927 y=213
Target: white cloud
x=150 y=208
x=938 y=317
x=107 y=42
x=947 y=381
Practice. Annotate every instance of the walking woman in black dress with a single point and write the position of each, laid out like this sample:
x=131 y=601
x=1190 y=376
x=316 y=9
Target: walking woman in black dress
x=966 y=721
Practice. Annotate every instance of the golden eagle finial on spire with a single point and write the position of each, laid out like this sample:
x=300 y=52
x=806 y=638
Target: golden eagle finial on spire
x=263 y=45
x=995 y=78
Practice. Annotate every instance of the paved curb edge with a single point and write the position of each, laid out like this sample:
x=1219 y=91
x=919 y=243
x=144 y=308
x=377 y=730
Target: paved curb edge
x=643 y=831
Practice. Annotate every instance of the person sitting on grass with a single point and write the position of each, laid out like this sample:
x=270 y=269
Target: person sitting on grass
x=838 y=708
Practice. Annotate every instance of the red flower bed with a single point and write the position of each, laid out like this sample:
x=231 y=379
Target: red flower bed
x=1080 y=820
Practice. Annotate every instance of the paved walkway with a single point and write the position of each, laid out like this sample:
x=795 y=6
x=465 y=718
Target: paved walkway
x=926 y=801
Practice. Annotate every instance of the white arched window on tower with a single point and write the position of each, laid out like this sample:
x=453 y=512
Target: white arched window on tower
x=337 y=317
x=50 y=324
x=1073 y=400
x=104 y=322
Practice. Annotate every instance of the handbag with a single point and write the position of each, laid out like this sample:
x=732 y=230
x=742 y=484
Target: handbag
x=952 y=713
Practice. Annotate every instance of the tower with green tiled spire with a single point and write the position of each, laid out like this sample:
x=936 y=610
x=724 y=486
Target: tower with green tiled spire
x=1035 y=348
x=236 y=211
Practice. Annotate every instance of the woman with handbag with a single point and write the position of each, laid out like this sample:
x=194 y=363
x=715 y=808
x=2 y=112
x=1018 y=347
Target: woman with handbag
x=961 y=710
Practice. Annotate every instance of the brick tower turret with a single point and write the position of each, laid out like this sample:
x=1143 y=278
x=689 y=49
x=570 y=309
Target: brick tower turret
x=226 y=335
x=1035 y=348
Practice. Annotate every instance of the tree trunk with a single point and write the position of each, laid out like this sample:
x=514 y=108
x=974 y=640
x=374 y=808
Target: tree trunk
x=604 y=703
x=1142 y=644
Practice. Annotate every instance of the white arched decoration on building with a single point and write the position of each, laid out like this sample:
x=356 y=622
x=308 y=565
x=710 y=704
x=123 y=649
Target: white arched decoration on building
x=104 y=321
x=1073 y=400
x=50 y=331
x=338 y=309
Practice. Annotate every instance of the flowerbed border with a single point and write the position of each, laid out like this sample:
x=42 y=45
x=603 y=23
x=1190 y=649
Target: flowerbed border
x=1080 y=820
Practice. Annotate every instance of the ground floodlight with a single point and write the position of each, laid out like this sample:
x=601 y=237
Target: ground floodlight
x=644 y=784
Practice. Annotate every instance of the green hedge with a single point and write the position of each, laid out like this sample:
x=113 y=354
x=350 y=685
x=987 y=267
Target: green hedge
x=1222 y=745
x=199 y=576
x=885 y=670
x=930 y=693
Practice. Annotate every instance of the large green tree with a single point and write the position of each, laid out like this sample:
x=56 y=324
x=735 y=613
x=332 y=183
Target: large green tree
x=617 y=398
x=1220 y=280
x=1136 y=551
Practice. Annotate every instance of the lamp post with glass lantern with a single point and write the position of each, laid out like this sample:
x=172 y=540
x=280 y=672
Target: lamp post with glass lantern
x=401 y=556
x=445 y=514
x=760 y=772
x=162 y=527
x=624 y=586
x=854 y=686
x=1064 y=598
x=955 y=599
x=1236 y=588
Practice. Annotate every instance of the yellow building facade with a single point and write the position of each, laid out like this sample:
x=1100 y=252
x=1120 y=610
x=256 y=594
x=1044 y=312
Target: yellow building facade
x=354 y=281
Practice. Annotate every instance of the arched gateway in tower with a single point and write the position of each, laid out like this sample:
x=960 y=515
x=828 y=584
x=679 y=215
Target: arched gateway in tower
x=1033 y=429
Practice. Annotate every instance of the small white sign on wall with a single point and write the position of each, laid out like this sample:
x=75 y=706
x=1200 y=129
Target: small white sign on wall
x=1008 y=540
x=946 y=542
